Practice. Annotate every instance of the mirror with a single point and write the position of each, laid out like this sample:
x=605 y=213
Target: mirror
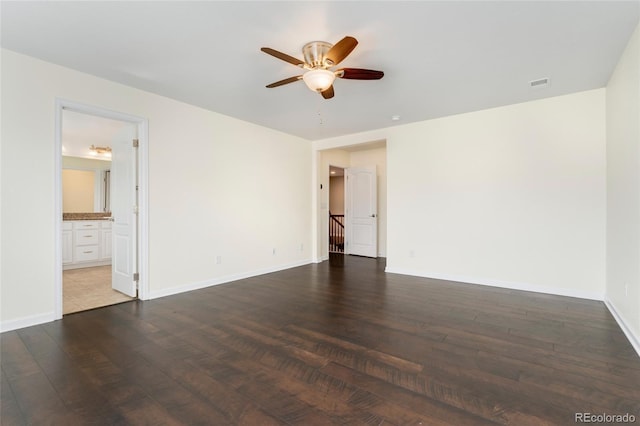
x=86 y=161
x=85 y=185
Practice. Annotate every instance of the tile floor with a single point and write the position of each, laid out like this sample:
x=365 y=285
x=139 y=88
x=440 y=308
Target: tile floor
x=88 y=288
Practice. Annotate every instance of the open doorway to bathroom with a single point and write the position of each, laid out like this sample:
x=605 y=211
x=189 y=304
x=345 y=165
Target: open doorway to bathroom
x=87 y=222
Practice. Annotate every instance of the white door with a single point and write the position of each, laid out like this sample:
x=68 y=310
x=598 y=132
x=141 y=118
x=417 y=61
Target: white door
x=361 y=211
x=124 y=202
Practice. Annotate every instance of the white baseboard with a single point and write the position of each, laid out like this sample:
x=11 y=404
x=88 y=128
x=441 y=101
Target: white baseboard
x=223 y=280
x=503 y=284
x=631 y=336
x=26 y=322
x=68 y=266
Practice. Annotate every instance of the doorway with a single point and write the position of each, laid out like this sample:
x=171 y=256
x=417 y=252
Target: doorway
x=353 y=211
x=89 y=288
x=101 y=249
x=336 y=210
x=368 y=222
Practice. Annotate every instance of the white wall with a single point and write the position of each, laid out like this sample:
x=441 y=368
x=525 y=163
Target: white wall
x=511 y=196
x=623 y=189
x=336 y=194
x=218 y=187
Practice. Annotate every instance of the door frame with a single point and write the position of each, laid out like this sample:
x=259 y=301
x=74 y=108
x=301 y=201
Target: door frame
x=143 y=192
x=320 y=181
x=344 y=206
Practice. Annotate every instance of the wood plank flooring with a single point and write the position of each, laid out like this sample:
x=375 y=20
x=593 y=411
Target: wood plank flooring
x=335 y=343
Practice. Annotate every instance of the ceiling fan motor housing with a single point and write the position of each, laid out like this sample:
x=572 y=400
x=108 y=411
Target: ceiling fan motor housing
x=315 y=54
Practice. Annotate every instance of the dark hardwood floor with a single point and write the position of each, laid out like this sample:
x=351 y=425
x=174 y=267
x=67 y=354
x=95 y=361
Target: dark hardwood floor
x=335 y=343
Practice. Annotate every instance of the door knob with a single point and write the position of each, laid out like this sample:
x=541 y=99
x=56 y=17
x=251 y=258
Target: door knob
x=373 y=215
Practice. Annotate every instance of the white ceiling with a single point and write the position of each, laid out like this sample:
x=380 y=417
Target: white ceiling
x=439 y=58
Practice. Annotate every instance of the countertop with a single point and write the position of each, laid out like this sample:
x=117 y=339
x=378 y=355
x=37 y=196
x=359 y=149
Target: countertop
x=86 y=216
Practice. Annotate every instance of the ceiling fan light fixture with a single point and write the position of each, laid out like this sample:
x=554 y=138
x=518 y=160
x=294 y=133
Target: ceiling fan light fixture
x=318 y=80
x=319 y=57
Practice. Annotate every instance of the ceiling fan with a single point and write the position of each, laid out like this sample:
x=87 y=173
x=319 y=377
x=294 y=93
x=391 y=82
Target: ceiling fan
x=319 y=57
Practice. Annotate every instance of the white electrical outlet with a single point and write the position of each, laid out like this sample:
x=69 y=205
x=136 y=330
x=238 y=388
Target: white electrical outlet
x=218 y=260
x=274 y=251
x=412 y=253
x=301 y=247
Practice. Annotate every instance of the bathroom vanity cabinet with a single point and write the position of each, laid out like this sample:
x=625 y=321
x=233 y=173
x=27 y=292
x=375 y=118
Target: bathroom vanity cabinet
x=86 y=243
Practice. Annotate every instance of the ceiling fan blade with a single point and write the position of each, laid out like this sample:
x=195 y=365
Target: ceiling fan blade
x=340 y=50
x=285 y=81
x=283 y=56
x=328 y=94
x=359 y=74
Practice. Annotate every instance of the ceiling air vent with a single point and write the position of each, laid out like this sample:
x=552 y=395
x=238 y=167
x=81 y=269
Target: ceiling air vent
x=539 y=83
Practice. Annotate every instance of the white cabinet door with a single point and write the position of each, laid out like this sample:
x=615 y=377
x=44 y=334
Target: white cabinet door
x=105 y=253
x=67 y=247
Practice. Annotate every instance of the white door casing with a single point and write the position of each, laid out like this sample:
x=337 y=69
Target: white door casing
x=361 y=214
x=124 y=204
x=142 y=126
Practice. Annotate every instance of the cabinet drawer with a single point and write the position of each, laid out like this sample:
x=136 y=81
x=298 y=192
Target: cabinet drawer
x=81 y=224
x=86 y=253
x=87 y=237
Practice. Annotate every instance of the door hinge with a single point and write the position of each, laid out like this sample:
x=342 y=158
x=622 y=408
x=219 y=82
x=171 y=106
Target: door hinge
x=136 y=143
x=136 y=276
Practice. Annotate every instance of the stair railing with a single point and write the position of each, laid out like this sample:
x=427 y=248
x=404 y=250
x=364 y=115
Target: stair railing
x=336 y=233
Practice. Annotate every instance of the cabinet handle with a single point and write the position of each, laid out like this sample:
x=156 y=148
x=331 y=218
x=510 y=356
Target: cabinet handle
x=87 y=252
